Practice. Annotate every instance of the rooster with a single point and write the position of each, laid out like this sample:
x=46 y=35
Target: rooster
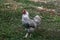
x=30 y=24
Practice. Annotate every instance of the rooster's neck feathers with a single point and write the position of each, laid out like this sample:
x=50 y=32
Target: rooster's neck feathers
x=25 y=16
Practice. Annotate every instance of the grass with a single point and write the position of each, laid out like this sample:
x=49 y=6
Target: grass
x=12 y=29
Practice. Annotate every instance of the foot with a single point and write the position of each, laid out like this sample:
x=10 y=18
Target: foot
x=26 y=35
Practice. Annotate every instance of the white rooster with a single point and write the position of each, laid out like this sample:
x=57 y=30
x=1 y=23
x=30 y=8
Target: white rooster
x=30 y=24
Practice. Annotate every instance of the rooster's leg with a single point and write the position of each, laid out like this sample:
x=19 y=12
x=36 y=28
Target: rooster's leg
x=30 y=35
x=26 y=35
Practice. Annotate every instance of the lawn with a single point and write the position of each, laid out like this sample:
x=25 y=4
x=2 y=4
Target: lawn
x=11 y=27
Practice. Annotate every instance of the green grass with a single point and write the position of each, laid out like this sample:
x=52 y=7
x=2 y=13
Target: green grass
x=12 y=29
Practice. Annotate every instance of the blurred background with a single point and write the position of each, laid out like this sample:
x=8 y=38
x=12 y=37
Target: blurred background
x=10 y=19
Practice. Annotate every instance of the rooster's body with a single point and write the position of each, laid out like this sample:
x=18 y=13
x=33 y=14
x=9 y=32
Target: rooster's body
x=30 y=24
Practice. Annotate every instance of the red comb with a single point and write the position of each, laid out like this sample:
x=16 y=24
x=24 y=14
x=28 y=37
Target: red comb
x=24 y=11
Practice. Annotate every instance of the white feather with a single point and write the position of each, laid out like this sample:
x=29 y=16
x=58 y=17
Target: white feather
x=37 y=19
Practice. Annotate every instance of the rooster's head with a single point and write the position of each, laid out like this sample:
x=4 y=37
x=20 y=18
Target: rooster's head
x=24 y=11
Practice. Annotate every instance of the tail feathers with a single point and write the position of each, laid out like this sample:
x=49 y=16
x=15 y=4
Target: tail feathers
x=37 y=16
x=37 y=19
